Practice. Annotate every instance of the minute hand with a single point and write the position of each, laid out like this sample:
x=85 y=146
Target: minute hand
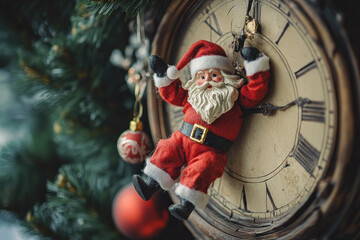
x=268 y=108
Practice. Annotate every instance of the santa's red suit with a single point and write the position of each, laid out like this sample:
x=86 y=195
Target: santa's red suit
x=196 y=164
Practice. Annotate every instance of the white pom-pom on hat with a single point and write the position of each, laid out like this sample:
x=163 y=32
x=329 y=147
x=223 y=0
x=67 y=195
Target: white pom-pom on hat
x=172 y=72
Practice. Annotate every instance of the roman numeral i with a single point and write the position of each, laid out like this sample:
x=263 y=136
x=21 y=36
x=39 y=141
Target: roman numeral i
x=302 y=71
x=243 y=201
x=282 y=33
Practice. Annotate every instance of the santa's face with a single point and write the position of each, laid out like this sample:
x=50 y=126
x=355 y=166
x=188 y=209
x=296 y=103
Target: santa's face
x=212 y=93
x=209 y=75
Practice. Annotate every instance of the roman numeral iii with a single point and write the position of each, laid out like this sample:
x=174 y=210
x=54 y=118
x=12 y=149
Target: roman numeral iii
x=314 y=111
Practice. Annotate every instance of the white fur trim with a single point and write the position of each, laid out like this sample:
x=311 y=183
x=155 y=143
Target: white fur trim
x=162 y=81
x=260 y=64
x=172 y=72
x=159 y=175
x=211 y=61
x=199 y=199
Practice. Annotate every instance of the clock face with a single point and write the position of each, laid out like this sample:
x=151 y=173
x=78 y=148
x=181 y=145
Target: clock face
x=277 y=160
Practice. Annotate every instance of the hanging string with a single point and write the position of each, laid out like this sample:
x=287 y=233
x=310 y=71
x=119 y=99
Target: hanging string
x=142 y=78
x=139 y=93
x=134 y=144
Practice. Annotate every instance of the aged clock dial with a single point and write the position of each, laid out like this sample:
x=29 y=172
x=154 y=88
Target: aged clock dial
x=278 y=162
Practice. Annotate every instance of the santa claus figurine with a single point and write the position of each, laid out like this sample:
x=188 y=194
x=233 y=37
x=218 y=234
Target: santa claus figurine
x=213 y=101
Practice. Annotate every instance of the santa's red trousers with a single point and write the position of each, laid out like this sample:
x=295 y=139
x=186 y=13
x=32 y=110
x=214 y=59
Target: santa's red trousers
x=203 y=164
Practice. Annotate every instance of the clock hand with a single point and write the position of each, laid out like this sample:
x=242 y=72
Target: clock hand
x=268 y=108
x=249 y=7
x=247 y=31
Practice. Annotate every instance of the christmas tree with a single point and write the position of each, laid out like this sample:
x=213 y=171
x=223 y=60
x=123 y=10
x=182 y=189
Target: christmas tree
x=64 y=101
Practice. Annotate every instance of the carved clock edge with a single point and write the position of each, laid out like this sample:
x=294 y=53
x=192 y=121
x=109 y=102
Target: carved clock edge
x=340 y=194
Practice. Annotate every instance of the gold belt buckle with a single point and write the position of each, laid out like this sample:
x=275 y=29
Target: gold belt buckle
x=203 y=136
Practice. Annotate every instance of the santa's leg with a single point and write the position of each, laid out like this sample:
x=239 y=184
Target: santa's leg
x=195 y=181
x=163 y=168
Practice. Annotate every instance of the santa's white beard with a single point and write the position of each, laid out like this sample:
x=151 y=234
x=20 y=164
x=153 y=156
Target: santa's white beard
x=212 y=103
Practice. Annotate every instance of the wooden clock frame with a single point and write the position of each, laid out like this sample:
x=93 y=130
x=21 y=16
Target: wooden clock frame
x=333 y=208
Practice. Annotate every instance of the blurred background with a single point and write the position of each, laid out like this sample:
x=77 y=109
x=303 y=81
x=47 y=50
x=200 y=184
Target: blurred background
x=66 y=95
x=65 y=98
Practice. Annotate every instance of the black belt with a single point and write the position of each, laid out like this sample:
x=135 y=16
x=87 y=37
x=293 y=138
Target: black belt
x=202 y=135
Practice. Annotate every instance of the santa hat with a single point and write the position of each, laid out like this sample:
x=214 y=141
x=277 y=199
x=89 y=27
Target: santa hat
x=202 y=55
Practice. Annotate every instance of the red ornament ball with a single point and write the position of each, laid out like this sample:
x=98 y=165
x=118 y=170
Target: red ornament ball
x=133 y=146
x=136 y=218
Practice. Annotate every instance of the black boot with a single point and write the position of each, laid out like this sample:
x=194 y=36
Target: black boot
x=183 y=210
x=145 y=189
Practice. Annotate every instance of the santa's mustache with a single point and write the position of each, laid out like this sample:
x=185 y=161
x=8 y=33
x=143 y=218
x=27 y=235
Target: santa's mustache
x=205 y=85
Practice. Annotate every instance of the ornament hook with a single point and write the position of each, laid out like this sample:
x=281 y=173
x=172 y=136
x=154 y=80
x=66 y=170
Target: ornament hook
x=140 y=87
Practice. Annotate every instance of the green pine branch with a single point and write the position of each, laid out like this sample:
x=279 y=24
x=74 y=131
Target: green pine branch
x=73 y=71
x=79 y=202
x=63 y=170
x=130 y=8
x=27 y=164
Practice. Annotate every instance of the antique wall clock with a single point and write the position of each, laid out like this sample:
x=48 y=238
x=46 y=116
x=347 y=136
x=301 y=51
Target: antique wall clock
x=294 y=173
